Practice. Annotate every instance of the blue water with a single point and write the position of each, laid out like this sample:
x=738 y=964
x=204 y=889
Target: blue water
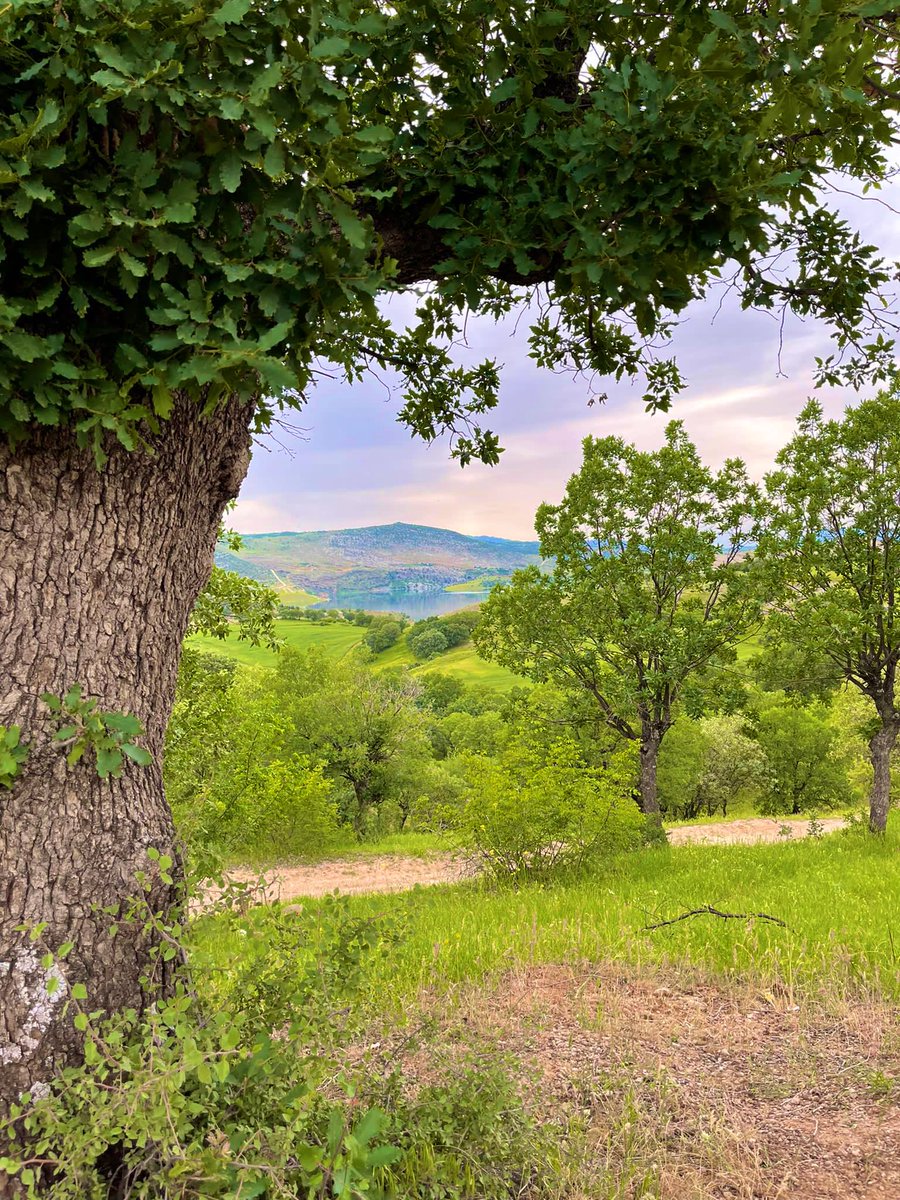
x=416 y=605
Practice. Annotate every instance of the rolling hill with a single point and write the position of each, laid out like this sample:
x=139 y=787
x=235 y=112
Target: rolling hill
x=385 y=558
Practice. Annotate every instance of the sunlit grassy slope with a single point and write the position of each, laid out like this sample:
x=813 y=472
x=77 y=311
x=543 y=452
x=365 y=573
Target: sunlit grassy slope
x=337 y=639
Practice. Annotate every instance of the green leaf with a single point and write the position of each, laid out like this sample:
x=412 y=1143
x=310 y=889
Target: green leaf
x=375 y=133
x=109 y=761
x=137 y=754
x=231 y=12
x=79 y=991
x=274 y=161
x=226 y=171
x=330 y=47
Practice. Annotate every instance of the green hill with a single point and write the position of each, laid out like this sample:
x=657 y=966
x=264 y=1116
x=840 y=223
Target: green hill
x=375 y=558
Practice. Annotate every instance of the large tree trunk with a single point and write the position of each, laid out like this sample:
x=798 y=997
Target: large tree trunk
x=880 y=747
x=99 y=571
x=651 y=739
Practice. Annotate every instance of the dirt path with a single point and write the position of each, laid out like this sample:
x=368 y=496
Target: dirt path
x=400 y=873
x=754 y=829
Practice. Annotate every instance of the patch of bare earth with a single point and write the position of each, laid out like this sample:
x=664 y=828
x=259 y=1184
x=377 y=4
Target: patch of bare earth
x=683 y=1090
x=754 y=829
x=351 y=876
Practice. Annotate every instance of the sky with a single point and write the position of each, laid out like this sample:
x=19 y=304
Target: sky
x=353 y=464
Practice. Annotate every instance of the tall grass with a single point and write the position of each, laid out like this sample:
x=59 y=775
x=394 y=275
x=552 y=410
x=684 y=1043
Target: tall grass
x=839 y=897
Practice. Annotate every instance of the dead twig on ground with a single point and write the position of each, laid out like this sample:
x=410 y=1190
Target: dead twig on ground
x=708 y=911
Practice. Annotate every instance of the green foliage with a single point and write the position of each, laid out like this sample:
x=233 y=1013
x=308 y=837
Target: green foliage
x=531 y=812
x=232 y=779
x=83 y=727
x=467 y=1135
x=203 y=198
x=13 y=753
x=435 y=635
x=427 y=643
x=233 y=600
x=192 y=1099
x=806 y=757
x=383 y=633
x=708 y=765
x=833 y=543
x=644 y=596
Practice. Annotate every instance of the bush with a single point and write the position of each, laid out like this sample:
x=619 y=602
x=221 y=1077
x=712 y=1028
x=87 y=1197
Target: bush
x=807 y=761
x=707 y=765
x=426 y=643
x=528 y=812
x=382 y=635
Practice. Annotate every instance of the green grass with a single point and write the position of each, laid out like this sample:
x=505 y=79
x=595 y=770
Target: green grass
x=840 y=898
x=462 y=661
x=336 y=640
x=483 y=583
x=297 y=598
x=413 y=845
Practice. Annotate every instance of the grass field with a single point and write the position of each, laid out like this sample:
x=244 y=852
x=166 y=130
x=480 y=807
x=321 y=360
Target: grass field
x=337 y=639
x=839 y=897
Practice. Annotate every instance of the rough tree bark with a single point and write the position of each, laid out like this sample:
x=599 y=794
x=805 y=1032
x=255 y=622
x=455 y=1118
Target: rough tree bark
x=880 y=747
x=651 y=739
x=99 y=571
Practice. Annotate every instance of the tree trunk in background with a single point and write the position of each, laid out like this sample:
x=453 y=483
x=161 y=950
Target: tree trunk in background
x=649 y=756
x=880 y=747
x=99 y=571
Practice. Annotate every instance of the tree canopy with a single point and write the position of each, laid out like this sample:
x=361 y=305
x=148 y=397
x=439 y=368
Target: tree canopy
x=205 y=197
x=645 y=592
x=833 y=543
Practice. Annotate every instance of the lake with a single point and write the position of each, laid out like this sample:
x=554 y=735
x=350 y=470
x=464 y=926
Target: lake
x=416 y=605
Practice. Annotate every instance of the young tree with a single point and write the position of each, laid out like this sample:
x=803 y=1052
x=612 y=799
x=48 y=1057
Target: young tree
x=645 y=593
x=807 y=763
x=201 y=199
x=833 y=543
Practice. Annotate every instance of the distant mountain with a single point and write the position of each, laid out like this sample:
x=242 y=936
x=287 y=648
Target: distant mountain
x=396 y=557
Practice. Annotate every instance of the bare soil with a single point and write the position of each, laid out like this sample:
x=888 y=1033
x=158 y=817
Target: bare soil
x=754 y=829
x=688 y=1089
x=400 y=873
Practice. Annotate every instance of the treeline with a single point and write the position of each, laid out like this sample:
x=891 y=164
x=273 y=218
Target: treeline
x=314 y=755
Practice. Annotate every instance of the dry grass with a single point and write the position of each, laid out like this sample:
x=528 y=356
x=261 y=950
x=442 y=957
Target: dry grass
x=668 y=1084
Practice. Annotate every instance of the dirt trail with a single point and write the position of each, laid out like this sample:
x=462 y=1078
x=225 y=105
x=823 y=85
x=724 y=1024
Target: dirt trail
x=400 y=873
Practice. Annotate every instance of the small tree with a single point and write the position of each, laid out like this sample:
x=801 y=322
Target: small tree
x=833 y=546
x=807 y=765
x=645 y=595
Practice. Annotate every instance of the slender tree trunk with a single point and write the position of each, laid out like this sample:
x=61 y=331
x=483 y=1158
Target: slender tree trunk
x=99 y=571
x=651 y=739
x=880 y=747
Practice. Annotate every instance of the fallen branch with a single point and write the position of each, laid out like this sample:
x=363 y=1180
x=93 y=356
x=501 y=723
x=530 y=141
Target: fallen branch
x=708 y=911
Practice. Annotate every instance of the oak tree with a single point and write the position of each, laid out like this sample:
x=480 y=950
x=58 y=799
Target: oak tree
x=200 y=201
x=647 y=589
x=833 y=543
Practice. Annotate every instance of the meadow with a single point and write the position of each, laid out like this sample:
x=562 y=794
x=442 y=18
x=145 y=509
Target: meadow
x=338 y=639
x=838 y=897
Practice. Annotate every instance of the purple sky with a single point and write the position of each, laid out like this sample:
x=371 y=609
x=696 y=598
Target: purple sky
x=358 y=466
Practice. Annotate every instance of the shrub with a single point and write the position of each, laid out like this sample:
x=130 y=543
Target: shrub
x=382 y=635
x=707 y=765
x=529 y=813
x=426 y=643
x=807 y=760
